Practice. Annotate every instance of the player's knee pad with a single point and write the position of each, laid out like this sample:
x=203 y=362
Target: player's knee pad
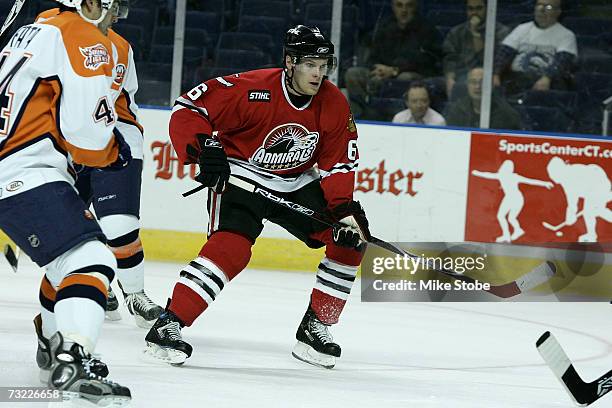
x=85 y=271
x=124 y=240
x=123 y=235
x=231 y=252
x=117 y=225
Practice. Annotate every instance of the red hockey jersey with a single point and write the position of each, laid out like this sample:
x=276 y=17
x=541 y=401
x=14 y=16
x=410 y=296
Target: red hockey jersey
x=269 y=140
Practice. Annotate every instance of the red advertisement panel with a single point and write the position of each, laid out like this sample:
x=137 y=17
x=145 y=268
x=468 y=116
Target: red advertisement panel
x=528 y=189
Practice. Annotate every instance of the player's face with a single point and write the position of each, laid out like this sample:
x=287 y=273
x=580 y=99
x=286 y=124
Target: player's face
x=308 y=75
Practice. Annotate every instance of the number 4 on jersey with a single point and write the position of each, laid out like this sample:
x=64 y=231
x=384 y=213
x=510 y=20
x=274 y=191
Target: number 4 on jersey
x=6 y=96
x=104 y=112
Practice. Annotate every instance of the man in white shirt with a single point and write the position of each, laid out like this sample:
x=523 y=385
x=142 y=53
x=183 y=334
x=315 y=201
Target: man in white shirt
x=540 y=53
x=419 y=112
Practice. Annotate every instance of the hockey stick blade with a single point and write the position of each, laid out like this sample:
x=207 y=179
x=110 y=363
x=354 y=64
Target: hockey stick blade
x=11 y=257
x=537 y=276
x=582 y=393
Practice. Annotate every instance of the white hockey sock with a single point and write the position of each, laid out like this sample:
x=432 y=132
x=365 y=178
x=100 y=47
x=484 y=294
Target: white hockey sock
x=49 y=327
x=80 y=320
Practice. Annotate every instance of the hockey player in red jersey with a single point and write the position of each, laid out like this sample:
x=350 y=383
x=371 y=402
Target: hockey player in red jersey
x=289 y=131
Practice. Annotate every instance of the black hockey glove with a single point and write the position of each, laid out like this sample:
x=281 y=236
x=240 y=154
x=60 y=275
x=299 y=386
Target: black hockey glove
x=125 y=153
x=214 y=167
x=351 y=229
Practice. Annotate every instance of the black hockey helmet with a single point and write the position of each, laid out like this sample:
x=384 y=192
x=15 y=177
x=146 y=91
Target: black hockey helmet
x=308 y=42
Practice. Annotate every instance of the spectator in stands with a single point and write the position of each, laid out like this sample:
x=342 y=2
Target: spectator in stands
x=540 y=54
x=463 y=46
x=465 y=111
x=406 y=47
x=417 y=102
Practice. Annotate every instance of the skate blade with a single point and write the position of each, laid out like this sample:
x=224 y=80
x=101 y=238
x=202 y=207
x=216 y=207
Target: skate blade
x=112 y=315
x=307 y=354
x=153 y=352
x=77 y=400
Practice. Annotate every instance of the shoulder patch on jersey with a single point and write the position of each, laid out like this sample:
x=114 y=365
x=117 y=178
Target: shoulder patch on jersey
x=259 y=95
x=95 y=56
x=286 y=147
x=120 y=70
x=351 y=124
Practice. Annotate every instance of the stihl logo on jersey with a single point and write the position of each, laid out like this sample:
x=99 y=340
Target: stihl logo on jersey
x=259 y=95
x=119 y=74
x=604 y=386
x=95 y=56
x=286 y=147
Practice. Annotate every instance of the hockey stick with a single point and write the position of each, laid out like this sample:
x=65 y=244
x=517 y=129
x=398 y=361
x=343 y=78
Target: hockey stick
x=556 y=228
x=10 y=18
x=12 y=256
x=533 y=278
x=582 y=393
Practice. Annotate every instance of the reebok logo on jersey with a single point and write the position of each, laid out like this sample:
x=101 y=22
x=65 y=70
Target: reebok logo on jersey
x=95 y=56
x=107 y=197
x=259 y=95
x=286 y=147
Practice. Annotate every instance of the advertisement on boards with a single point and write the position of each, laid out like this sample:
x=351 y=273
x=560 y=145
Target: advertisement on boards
x=412 y=181
x=528 y=189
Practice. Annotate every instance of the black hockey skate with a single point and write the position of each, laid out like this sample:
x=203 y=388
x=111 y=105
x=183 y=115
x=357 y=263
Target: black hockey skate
x=45 y=360
x=144 y=310
x=71 y=373
x=164 y=340
x=112 y=306
x=315 y=344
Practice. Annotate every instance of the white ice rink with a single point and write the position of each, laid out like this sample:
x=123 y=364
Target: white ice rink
x=442 y=355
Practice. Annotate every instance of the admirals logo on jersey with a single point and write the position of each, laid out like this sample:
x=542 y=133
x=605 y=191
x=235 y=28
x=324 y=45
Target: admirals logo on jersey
x=286 y=147
x=95 y=56
x=119 y=74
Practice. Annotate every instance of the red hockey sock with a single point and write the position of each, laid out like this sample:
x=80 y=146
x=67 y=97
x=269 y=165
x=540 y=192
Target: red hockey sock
x=335 y=279
x=327 y=308
x=186 y=304
x=224 y=255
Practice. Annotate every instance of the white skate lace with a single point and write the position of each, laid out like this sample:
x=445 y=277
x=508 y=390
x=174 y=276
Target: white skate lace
x=320 y=330
x=140 y=301
x=173 y=330
x=89 y=361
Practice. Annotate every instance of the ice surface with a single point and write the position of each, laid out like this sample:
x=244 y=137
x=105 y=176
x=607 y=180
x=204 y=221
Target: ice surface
x=451 y=355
